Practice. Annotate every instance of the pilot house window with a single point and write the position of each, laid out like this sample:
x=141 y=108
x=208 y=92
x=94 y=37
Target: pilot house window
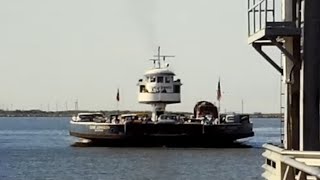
x=160 y=79
x=153 y=79
x=176 y=89
x=143 y=89
x=167 y=79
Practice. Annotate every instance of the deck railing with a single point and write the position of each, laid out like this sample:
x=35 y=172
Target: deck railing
x=283 y=164
x=259 y=13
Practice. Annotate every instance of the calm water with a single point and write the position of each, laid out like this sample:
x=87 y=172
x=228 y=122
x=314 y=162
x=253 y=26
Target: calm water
x=40 y=148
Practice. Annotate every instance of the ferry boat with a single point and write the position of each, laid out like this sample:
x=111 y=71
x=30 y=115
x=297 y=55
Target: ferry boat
x=159 y=88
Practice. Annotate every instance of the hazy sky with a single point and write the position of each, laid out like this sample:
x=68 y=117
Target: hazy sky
x=53 y=52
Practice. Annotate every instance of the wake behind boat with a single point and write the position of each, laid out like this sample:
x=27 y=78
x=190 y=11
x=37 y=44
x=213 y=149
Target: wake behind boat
x=158 y=88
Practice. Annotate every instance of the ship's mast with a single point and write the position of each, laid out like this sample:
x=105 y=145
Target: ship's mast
x=158 y=59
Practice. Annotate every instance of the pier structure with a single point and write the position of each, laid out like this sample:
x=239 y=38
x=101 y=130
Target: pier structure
x=297 y=35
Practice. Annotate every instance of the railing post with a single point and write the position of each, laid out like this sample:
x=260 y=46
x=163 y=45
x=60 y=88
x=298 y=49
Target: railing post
x=287 y=173
x=249 y=33
x=260 y=16
x=266 y=12
x=254 y=16
x=273 y=7
x=302 y=176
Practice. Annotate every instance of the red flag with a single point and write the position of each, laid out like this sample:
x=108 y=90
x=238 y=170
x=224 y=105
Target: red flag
x=118 y=95
x=219 y=91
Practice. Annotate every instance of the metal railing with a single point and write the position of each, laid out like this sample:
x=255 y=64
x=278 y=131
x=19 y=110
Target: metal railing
x=259 y=13
x=288 y=165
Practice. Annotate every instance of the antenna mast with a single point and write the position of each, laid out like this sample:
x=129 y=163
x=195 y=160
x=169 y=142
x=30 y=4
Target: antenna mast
x=76 y=105
x=154 y=62
x=160 y=56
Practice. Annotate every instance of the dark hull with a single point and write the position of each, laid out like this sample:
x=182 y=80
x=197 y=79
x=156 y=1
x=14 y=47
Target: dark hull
x=172 y=135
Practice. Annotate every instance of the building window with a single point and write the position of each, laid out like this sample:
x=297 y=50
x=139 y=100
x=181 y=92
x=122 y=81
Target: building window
x=160 y=79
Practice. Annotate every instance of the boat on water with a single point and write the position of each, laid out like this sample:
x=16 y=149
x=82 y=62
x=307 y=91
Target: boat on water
x=159 y=88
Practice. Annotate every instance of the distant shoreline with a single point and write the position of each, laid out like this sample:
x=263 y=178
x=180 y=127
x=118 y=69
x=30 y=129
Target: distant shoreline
x=39 y=113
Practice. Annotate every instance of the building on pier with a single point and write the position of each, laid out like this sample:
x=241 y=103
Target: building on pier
x=297 y=36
